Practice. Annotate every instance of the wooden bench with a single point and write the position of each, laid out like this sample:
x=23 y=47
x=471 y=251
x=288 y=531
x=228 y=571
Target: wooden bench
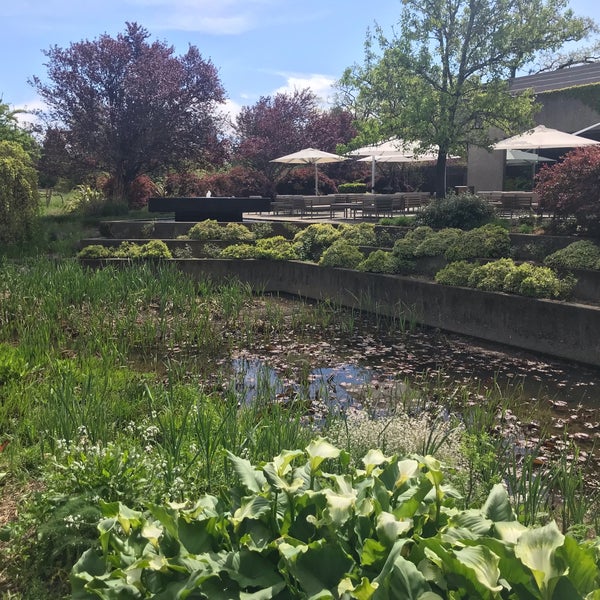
x=194 y=208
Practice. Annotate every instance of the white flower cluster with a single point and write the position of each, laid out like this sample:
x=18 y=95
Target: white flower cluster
x=399 y=433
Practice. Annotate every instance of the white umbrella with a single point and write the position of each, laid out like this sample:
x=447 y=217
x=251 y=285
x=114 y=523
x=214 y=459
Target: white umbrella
x=543 y=137
x=520 y=157
x=310 y=156
x=393 y=150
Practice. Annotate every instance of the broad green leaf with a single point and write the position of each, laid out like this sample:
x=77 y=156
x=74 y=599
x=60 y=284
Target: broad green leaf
x=497 y=506
x=128 y=518
x=509 y=531
x=474 y=520
x=582 y=568
x=281 y=484
x=362 y=591
x=152 y=533
x=373 y=552
x=283 y=460
x=484 y=563
x=251 y=569
x=252 y=508
x=373 y=459
x=389 y=528
x=265 y=593
x=340 y=507
x=400 y=578
x=407 y=469
x=252 y=478
x=536 y=548
x=411 y=501
x=319 y=450
x=197 y=536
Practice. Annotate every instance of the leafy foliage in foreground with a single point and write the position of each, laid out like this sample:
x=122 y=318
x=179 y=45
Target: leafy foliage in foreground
x=306 y=526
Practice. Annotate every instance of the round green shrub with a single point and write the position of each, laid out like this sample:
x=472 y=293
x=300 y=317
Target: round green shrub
x=488 y=241
x=240 y=251
x=94 y=251
x=127 y=250
x=208 y=229
x=379 y=261
x=311 y=242
x=237 y=232
x=275 y=248
x=437 y=243
x=490 y=276
x=456 y=273
x=578 y=255
x=535 y=281
x=355 y=187
x=361 y=234
x=341 y=254
x=463 y=211
x=155 y=249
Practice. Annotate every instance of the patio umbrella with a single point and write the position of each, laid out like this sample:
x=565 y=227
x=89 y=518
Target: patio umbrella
x=520 y=157
x=310 y=156
x=543 y=137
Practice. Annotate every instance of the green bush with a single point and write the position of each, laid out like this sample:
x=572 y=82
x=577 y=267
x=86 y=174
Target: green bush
x=361 y=234
x=379 y=261
x=87 y=201
x=437 y=243
x=356 y=187
x=95 y=251
x=489 y=241
x=462 y=211
x=208 y=229
x=399 y=221
x=19 y=199
x=237 y=232
x=537 y=282
x=578 y=255
x=311 y=242
x=262 y=230
x=155 y=249
x=126 y=250
x=239 y=251
x=275 y=248
x=341 y=254
x=490 y=276
x=306 y=525
x=456 y=273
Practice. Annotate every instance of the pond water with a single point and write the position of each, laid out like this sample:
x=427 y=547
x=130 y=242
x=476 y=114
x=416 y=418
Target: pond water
x=340 y=368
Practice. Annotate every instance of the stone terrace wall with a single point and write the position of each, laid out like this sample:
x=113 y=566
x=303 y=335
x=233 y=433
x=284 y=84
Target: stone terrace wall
x=565 y=330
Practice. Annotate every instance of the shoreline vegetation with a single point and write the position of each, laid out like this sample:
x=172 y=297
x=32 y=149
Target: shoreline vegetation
x=116 y=387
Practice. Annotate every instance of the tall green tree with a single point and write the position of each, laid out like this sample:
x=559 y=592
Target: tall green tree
x=12 y=131
x=128 y=106
x=442 y=76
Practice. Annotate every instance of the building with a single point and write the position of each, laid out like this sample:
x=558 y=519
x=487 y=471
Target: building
x=569 y=100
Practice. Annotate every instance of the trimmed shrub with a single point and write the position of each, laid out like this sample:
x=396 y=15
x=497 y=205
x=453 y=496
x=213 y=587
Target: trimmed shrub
x=437 y=243
x=490 y=276
x=535 y=281
x=155 y=249
x=209 y=229
x=462 y=211
x=578 y=255
x=570 y=187
x=456 y=273
x=379 y=261
x=361 y=234
x=356 y=187
x=94 y=251
x=311 y=242
x=488 y=241
x=240 y=251
x=237 y=232
x=341 y=254
x=275 y=248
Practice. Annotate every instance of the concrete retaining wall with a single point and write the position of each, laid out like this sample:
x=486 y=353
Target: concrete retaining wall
x=565 y=330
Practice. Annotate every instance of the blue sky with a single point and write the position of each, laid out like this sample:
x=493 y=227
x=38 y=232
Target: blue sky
x=260 y=47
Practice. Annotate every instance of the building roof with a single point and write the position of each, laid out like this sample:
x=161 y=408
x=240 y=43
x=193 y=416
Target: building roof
x=557 y=80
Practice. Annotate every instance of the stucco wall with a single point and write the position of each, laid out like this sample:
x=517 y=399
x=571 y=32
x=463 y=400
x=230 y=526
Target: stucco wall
x=569 y=331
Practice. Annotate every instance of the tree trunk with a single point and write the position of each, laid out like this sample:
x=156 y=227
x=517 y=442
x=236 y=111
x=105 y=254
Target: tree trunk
x=440 y=173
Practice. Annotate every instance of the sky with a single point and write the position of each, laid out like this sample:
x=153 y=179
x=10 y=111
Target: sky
x=260 y=47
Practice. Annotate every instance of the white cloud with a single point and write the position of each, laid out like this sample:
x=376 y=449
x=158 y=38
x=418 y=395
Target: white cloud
x=321 y=85
x=26 y=117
